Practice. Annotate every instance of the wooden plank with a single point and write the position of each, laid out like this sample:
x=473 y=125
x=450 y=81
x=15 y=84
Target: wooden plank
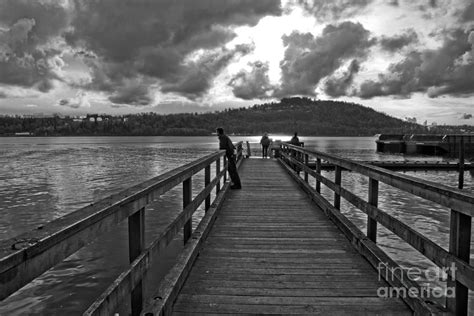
x=200 y=308
x=271 y=284
x=328 y=277
x=206 y=289
x=275 y=300
x=354 y=259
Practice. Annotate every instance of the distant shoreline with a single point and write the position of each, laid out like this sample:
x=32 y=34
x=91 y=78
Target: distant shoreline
x=231 y=135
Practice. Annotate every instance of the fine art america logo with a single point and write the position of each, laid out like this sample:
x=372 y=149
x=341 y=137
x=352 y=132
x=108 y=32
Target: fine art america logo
x=431 y=275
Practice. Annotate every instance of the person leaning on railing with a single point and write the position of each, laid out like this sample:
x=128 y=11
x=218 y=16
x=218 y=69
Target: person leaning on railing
x=226 y=143
x=296 y=141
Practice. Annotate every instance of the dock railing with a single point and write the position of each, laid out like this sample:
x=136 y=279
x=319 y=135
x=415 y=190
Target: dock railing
x=29 y=255
x=455 y=261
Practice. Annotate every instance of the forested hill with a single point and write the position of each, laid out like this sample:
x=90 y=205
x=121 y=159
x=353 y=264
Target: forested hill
x=313 y=117
x=308 y=117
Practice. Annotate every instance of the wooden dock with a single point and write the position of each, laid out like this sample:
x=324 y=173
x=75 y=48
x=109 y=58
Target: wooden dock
x=275 y=247
x=272 y=251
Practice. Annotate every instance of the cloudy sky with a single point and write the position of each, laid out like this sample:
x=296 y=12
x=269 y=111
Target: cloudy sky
x=407 y=58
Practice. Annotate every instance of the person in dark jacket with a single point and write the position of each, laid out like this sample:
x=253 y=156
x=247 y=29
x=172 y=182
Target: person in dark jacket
x=295 y=140
x=265 y=142
x=226 y=143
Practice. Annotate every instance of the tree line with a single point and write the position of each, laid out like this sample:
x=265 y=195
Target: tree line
x=307 y=116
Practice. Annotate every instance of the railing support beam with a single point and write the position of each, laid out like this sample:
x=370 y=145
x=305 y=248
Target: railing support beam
x=318 y=171
x=337 y=181
x=136 y=244
x=218 y=169
x=187 y=198
x=207 y=180
x=373 y=200
x=306 y=164
x=460 y=246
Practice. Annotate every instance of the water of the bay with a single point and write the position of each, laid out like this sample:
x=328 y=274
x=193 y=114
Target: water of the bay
x=44 y=178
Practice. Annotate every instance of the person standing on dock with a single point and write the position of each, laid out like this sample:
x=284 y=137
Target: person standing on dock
x=295 y=140
x=265 y=142
x=226 y=143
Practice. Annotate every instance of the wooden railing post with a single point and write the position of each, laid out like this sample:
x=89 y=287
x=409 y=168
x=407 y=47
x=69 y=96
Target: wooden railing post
x=218 y=170
x=187 y=198
x=294 y=154
x=225 y=167
x=318 y=171
x=306 y=164
x=136 y=244
x=207 y=180
x=460 y=246
x=373 y=200
x=461 y=163
x=337 y=181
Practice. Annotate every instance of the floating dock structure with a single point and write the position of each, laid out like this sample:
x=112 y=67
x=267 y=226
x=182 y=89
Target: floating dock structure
x=426 y=144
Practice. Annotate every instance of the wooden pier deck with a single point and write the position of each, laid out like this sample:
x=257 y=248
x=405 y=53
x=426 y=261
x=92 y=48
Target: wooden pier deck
x=275 y=247
x=271 y=250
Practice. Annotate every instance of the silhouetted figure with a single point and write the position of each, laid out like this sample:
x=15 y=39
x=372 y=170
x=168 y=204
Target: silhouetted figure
x=265 y=142
x=226 y=143
x=295 y=140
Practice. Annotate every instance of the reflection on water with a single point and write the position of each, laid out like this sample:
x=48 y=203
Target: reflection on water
x=44 y=178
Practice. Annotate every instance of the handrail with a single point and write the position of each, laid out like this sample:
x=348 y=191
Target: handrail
x=29 y=255
x=432 y=191
x=456 y=260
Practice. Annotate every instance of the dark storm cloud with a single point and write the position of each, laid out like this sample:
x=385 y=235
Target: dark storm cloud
x=252 y=85
x=338 y=86
x=49 y=16
x=466 y=116
x=132 y=94
x=307 y=59
x=153 y=38
x=333 y=9
x=27 y=58
x=447 y=70
x=467 y=14
x=397 y=42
